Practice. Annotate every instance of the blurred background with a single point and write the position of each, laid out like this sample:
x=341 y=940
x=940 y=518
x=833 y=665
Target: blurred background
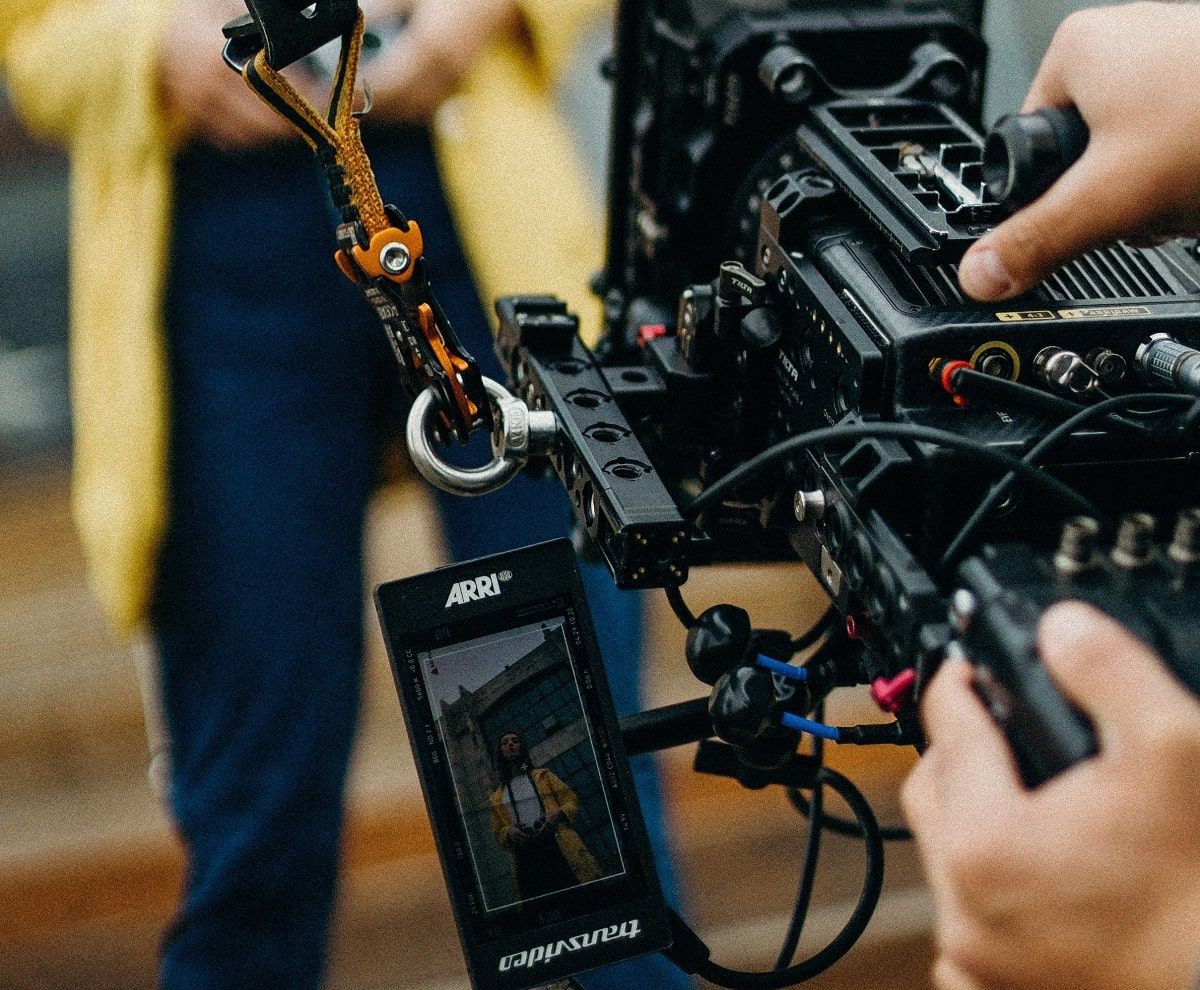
x=89 y=868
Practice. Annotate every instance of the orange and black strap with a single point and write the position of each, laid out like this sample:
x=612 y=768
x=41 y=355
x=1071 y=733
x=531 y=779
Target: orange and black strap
x=336 y=137
x=430 y=354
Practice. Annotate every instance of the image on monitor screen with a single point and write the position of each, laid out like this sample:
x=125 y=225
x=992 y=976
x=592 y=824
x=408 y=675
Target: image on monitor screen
x=523 y=759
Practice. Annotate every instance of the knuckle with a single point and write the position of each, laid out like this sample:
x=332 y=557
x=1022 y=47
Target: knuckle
x=1022 y=243
x=971 y=866
x=980 y=861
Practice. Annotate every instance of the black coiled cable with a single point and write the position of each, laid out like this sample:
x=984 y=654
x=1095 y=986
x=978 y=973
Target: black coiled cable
x=851 y=931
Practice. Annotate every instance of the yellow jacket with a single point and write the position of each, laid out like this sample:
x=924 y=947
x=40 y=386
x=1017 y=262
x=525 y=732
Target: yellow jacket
x=83 y=73
x=556 y=796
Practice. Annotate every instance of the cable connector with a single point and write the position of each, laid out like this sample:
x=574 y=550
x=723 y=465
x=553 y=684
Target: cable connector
x=890 y=694
x=877 y=734
x=799 y=723
x=785 y=670
x=942 y=371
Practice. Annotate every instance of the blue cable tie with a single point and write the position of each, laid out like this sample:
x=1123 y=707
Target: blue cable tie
x=783 y=669
x=800 y=724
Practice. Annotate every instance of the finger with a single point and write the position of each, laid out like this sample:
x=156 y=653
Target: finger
x=957 y=724
x=1095 y=661
x=1061 y=224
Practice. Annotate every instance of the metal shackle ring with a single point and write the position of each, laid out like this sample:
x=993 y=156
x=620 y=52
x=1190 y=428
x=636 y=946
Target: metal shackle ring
x=461 y=480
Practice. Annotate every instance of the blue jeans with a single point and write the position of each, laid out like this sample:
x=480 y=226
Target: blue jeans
x=284 y=393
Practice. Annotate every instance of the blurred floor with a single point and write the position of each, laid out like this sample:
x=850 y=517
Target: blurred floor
x=89 y=869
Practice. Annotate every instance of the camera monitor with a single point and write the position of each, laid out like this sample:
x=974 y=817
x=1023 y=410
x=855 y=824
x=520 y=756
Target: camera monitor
x=520 y=758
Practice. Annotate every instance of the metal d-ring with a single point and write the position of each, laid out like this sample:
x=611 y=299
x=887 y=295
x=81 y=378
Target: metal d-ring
x=519 y=434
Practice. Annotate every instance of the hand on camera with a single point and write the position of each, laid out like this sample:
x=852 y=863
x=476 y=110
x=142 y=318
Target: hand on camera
x=412 y=76
x=1092 y=880
x=201 y=92
x=1134 y=75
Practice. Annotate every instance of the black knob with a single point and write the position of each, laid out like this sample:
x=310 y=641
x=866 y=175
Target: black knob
x=787 y=74
x=717 y=641
x=1025 y=153
x=741 y=707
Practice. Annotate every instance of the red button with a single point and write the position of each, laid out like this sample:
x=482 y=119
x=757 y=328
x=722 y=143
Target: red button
x=650 y=331
x=890 y=694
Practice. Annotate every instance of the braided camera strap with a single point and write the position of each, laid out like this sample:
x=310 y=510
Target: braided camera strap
x=335 y=136
x=380 y=250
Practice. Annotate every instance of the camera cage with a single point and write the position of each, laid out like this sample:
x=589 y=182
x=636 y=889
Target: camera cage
x=789 y=371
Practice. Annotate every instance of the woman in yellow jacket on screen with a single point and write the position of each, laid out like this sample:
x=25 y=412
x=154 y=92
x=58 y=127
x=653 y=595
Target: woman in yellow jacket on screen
x=532 y=814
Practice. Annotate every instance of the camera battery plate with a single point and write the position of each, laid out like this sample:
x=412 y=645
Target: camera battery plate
x=914 y=166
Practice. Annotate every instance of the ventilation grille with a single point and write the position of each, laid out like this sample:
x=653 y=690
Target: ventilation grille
x=1115 y=273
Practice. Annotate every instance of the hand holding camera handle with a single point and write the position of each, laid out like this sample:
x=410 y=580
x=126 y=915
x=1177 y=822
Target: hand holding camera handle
x=998 y=631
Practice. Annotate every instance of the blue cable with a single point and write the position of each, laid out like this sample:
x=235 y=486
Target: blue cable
x=783 y=669
x=789 y=720
x=800 y=724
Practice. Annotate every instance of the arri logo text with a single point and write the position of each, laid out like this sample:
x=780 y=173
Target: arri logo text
x=476 y=589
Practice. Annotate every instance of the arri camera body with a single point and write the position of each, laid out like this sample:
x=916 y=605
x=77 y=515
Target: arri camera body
x=791 y=187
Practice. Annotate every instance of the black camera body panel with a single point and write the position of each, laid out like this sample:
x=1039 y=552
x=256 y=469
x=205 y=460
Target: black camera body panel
x=694 y=106
x=847 y=208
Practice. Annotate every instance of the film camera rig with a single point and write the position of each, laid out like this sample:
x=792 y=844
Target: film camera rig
x=946 y=468
x=790 y=371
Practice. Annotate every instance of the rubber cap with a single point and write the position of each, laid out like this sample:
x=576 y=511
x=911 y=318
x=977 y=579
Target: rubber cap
x=1026 y=153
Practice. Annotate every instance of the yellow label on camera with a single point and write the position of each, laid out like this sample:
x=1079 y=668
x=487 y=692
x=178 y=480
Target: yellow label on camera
x=1103 y=312
x=1026 y=316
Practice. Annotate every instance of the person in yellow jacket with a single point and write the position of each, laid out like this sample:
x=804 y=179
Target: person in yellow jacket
x=532 y=814
x=231 y=394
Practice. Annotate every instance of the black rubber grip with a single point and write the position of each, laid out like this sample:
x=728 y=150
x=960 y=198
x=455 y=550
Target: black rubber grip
x=1026 y=153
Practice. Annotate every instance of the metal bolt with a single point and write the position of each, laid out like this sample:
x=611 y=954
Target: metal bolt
x=962 y=610
x=1185 y=544
x=1135 y=540
x=1077 y=545
x=809 y=505
x=394 y=258
x=1065 y=370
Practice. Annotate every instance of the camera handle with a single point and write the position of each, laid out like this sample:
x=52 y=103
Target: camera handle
x=518 y=434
